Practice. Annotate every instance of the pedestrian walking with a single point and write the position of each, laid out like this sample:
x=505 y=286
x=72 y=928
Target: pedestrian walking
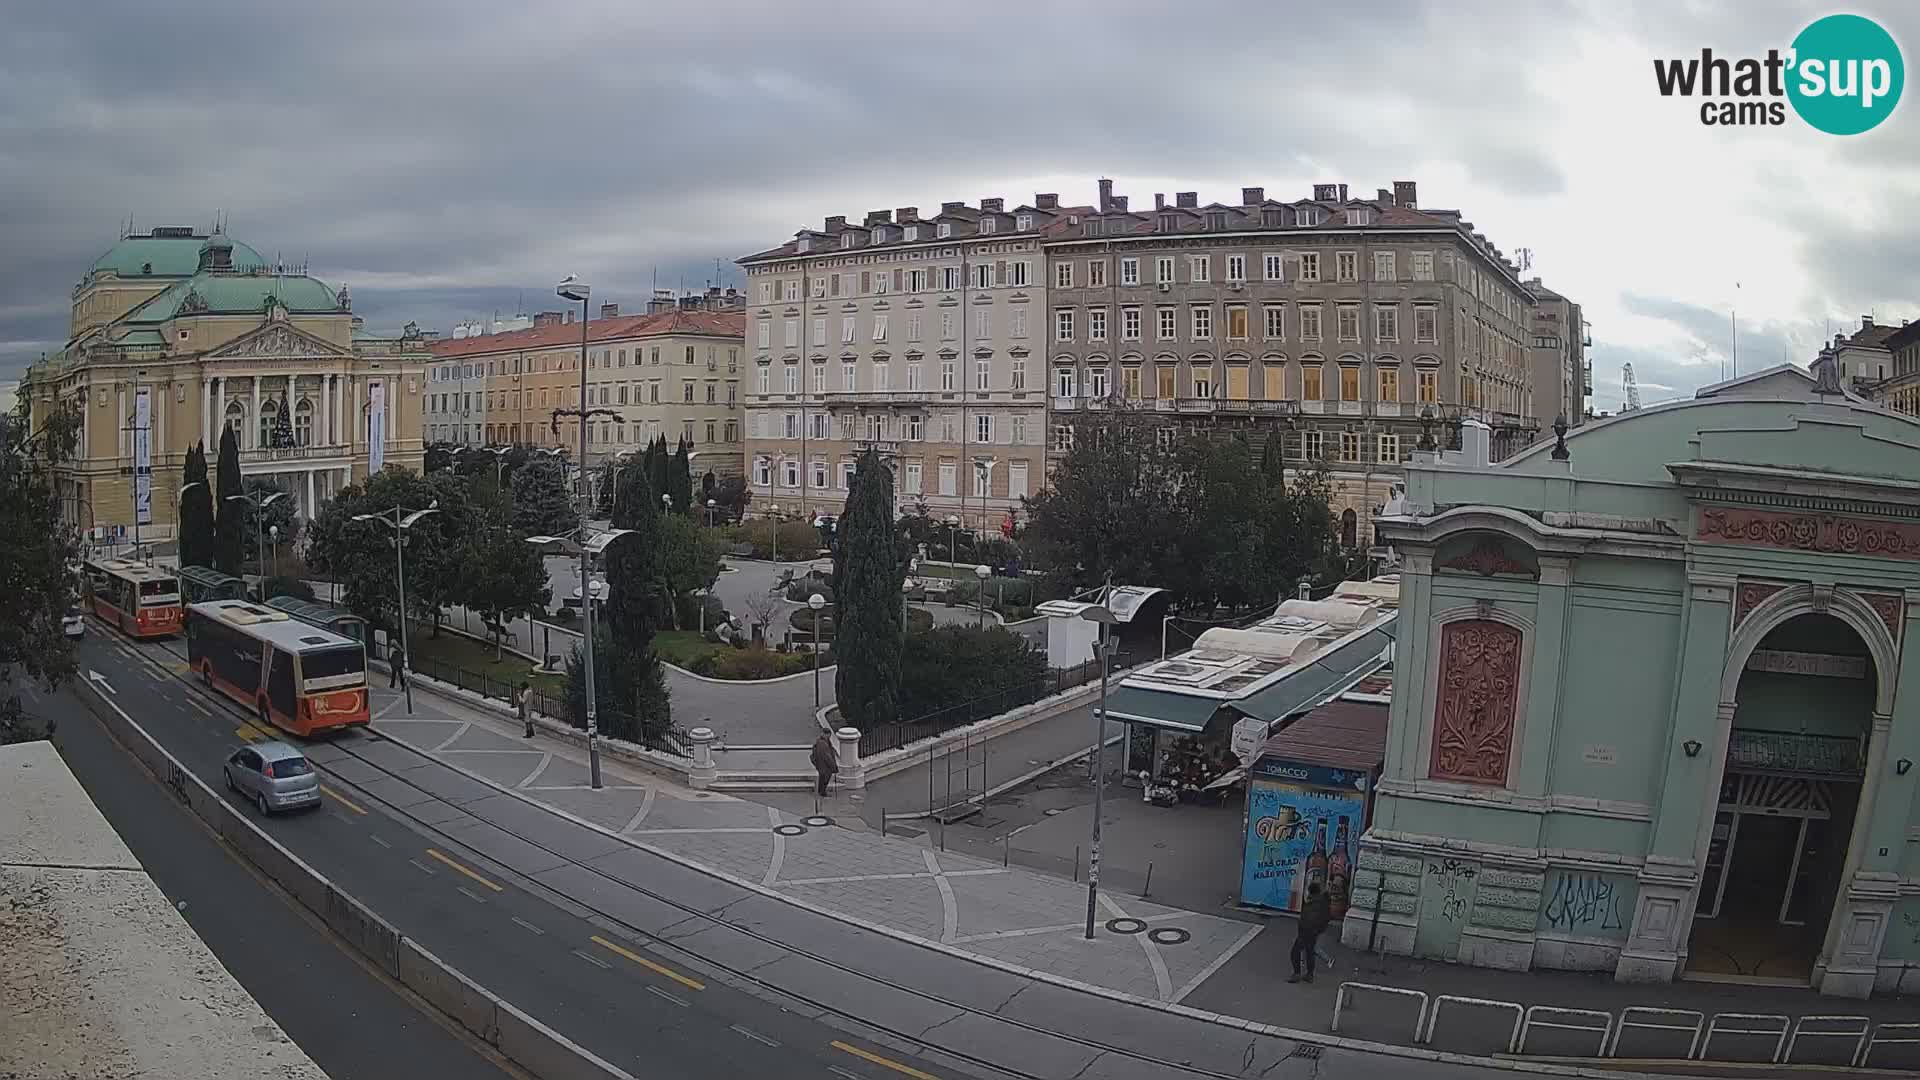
x=521 y=699
x=397 y=668
x=826 y=760
x=1315 y=913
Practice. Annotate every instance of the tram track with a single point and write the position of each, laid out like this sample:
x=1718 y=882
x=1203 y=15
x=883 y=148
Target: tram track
x=349 y=744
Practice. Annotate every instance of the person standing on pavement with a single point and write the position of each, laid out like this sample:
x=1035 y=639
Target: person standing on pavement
x=397 y=668
x=1315 y=913
x=520 y=701
x=826 y=760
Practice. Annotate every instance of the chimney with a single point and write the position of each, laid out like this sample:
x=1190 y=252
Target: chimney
x=1159 y=200
x=879 y=217
x=546 y=318
x=1106 y=195
x=992 y=206
x=837 y=221
x=1186 y=199
x=568 y=317
x=1252 y=196
x=1382 y=195
x=1046 y=200
x=1343 y=193
x=1866 y=322
x=1326 y=192
x=907 y=214
x=1403 y=192
x=1120 y=203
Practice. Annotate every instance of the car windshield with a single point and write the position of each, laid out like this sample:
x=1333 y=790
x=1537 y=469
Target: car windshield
x=330 y=662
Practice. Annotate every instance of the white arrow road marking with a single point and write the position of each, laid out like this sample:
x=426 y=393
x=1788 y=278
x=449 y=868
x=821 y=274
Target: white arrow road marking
x=94 y=676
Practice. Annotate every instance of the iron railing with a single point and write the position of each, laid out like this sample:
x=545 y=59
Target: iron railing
x=547 y=703
x=940 y=721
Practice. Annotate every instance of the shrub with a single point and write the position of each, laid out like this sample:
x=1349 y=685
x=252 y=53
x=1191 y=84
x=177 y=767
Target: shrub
x=285 y=585
x=956 y=664
x=803 y=588
x=802 y=620
x=687 y=609
x=799 y=541
x=753 y=664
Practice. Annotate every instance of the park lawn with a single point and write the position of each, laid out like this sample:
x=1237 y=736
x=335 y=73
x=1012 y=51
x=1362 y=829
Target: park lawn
x=473 y=656
x=682 y=647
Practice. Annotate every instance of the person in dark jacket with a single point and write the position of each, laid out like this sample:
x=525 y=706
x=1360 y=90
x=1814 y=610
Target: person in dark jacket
x=826 y=760
x=397 y=668
x=1315 y=913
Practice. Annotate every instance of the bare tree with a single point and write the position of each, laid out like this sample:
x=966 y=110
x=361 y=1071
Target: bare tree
x=760 y=611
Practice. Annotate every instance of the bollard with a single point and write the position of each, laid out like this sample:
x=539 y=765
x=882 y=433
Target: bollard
x=1148 y=887
x=1076 y=862
x=1006 y=843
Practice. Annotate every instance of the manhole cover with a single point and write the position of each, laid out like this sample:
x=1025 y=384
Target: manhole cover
x=1169 y=935
x=817 y=821
x=790 y=830
x=1126 y=926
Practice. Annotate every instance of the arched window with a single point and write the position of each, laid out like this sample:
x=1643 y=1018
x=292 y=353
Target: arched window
x=303 y=423
x=269 y=412
x=237 y=422
x=1349 y=526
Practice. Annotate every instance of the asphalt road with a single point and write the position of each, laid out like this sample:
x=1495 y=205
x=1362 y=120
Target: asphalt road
x=352 y=1022
x=587 y=980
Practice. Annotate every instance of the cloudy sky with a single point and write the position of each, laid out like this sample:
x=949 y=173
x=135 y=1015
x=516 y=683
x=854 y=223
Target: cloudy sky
x=447 y=160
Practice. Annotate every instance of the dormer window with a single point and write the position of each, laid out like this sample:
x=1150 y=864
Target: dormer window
x=1216 y=220
x=1360 y=215
x=986 y=224
x=846 y=240
x=1310 y=215
x=802 y=243
x=1271 y=218
x=911 y=232
x=1023 y=222
x=943 y=230
x=1169 y=223
x=880 y=235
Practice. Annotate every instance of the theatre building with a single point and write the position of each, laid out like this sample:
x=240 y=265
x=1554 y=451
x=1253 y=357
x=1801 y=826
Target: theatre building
x=1653 y=710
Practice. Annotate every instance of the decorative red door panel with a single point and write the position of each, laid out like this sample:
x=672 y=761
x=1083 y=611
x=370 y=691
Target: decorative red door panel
x=1479 y=696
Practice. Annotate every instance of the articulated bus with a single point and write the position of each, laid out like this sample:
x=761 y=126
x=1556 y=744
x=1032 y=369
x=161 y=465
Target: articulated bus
x=139 y=599
x=299 y=678
x=200 y=583
x=326 y=616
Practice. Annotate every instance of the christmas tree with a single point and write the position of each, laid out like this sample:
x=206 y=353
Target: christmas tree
x=283 y=427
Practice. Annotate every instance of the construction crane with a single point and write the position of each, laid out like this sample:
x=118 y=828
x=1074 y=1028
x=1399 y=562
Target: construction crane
x=1631 y=386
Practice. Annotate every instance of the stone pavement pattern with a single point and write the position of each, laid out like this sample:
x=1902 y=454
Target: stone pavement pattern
x=977 y=907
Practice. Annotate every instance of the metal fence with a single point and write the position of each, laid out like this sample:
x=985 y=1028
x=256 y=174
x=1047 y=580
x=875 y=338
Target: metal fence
x=547 y=703
x=939 y=722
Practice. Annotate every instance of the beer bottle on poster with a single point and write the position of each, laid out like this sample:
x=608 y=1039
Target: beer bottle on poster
x=1339 y=870
x=1317 y=860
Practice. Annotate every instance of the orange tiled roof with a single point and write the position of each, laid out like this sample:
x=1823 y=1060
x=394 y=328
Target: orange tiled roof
x=709 y=323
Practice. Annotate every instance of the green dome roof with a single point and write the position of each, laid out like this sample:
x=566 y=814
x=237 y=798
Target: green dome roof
x=236 y=294
x=168 y=255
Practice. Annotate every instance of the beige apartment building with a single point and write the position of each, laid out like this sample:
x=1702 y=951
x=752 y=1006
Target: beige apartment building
x=178 y=334
x=921 y=337
x=1344 y=326
x=674 y=374
x=1562 y=374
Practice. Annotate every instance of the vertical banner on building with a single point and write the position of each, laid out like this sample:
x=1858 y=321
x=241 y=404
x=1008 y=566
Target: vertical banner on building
x=142 y=457
x=376 y=427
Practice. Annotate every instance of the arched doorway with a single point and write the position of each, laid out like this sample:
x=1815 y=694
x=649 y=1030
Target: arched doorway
x=1776 y=857
x=1349 y=529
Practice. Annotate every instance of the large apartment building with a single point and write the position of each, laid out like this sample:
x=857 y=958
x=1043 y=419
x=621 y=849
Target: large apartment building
x=673 y=373
x=1334 y=323
x=1562 y=374
x=922 y=337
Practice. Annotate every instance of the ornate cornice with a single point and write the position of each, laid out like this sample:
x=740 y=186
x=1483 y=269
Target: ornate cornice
x=1487 y=558
x=1821 y=533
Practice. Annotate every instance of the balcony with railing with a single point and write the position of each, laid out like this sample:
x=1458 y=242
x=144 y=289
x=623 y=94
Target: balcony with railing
x=879 y=397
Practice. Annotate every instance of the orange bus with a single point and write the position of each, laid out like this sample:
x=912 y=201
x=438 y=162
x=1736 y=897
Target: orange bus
x=299 y=678
x=139 y=599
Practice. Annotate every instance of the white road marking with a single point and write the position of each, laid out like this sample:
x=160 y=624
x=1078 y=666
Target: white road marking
x=379 y=841
x=646 y=805
x=779 y=851
x=453 y=738
x=659 y=993
x=545 y=760
x=591 y=959
x=471 y=895
x=422 y=867
x=529 y=926
x=838 y=1071
x=754 y=1035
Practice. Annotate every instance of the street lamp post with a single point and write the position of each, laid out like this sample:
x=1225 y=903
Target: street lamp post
x=275 y=531
x=817 y=603
x=1104 y=616
x=953 y=539
x=982 y=572
x=589 y=547
x=260 y=505
x=773 y=511
x=400 y=525
x=913 y=569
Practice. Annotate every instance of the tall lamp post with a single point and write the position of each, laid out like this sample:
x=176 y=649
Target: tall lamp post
x=589 y=547
x=259 y=504
x=817 y=603
x=399 y=521
x=953 y=539
x=712 y=506
x=982 y=572
x=1104 y=616
x=773 y=511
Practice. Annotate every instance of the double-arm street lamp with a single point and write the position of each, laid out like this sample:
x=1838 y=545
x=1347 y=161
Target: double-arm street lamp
x=1102 y=614
x=399 y=520
x=593 y=544
x=259 y=503
x=817 y=604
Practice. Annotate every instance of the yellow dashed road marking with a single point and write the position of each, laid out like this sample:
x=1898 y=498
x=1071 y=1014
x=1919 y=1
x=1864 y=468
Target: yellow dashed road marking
x=432 y=854
x=658 y=969
x=883 y=1062
x=342 y=799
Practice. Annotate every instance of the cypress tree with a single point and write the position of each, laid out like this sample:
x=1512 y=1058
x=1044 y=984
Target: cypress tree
x=230 y=518
x=1273 y=461
x=636 y=578
x=657 y=455
x=868 y=635
x=196 y=511
x=680 y=477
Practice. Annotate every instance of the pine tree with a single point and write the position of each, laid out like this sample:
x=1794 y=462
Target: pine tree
x=230 y=520
x=542 y=505
x=680 y=477
x=196 y=511
x=868 y=635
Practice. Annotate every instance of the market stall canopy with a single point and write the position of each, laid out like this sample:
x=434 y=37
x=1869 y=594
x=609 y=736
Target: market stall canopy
x=1338 y=735
x=1160 y=708
x=1332 y=671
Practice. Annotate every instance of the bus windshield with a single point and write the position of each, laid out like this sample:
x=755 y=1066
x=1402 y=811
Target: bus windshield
x=327 y=663
x=159 y=592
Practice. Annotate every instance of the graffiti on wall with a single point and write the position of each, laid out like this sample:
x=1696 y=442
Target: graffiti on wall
x=1587 y=903
x=1453 y=876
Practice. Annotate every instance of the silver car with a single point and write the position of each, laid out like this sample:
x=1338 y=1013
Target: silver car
x=73 y=624
x=274 y=776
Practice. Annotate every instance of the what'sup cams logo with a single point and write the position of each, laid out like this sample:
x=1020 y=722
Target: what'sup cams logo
x=1843 y=75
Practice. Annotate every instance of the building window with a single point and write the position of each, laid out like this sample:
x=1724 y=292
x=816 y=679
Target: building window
x=1386 y=323
x=1130 y=271
x=763 y=472
x=913 y=375
x=1019 y=373
x=988 y=225
x=1313 y=446
x=1309 y=322
x=790 y=471
x=949 y=477
x=1423 y=266
x=1348 y=321
x=1096 y=273
x=942 y=231
x=819 y=333
x=1203 y=382
x=686 y=392
x=1063 y=275
x=946 y=326
x=913 y=327
x=1476 y=702
x=1349 y=382
x=1426 y=324
x=1063 y=437
x=1383 y=266
x=946 y=428
x=1349 y=451
x=819 y=378
x=1017 y=323
x=982 y=324
x=983 y=428
x=1097 y=382
x=1236 y=322
x=1389 y=384
x=849 y=377
x=1276 y=322
x=1309 y=265
x=911 y=428
x=917 y=280
x=982 y=374
x=1163 y=270
x=882 y=376
x=790 y=373
x=1168 y=322
x=792 y=337
x=1096 y=324
x=946 y=375
x=1390 y=448
x=913 y=478
x=1271 y=266
x=1130 y=382
x=1063 y=382
x=1063 y=325
x=880 y=327
x=1163 y=381
x=1018 y=437
x=1236 y=268
x=1202 y=322
x=1200 y=269
x=1130 y=324
x=1018 y=268
x=1310 y=374
x=983 y=276
x=1347 y=265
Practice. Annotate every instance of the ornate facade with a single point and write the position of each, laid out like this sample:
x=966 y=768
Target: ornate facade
x=177 y=335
